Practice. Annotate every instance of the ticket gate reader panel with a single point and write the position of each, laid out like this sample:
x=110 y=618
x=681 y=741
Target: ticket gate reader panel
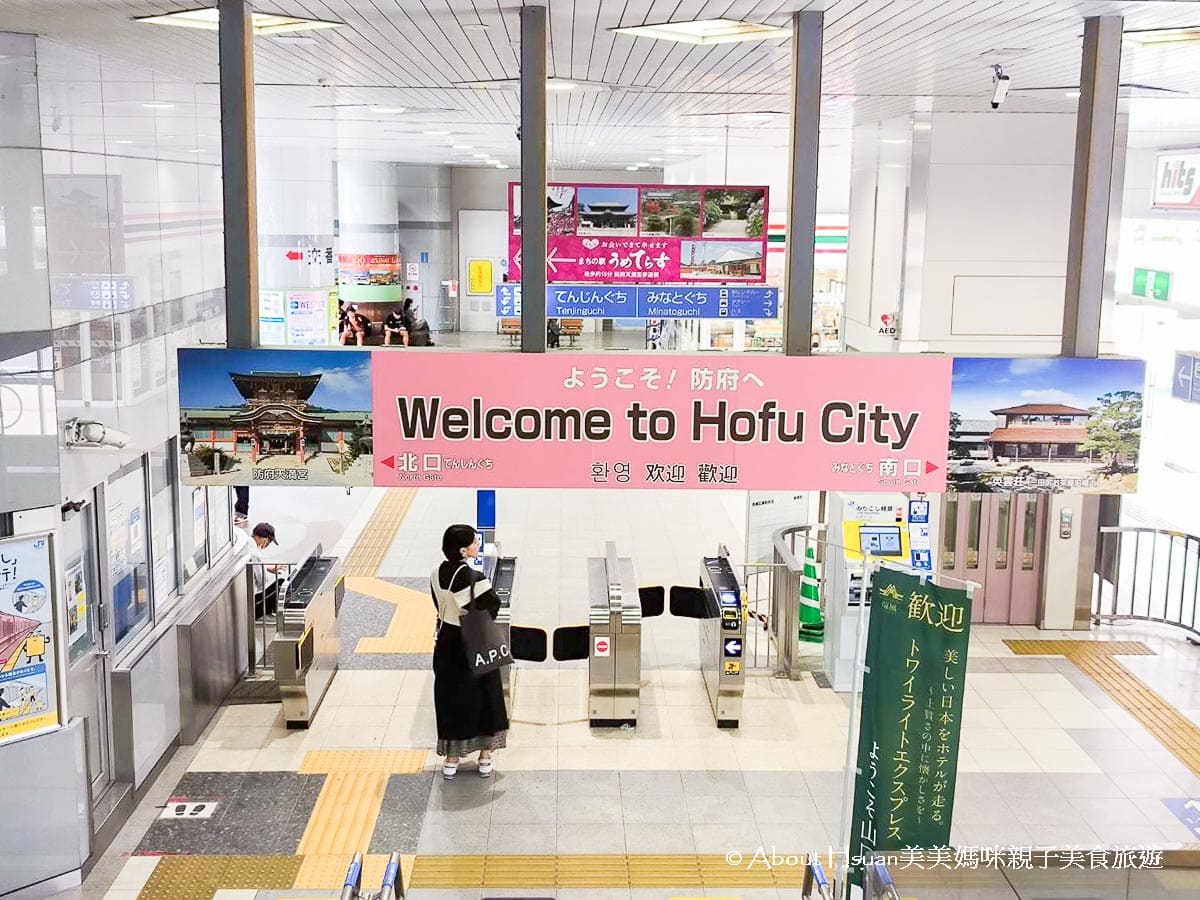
x=723 y=640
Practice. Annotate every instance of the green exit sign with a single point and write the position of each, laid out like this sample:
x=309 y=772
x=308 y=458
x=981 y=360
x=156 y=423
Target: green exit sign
x=1152 y=284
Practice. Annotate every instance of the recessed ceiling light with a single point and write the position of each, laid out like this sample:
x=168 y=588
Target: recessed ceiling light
x=387 y=109
x=583 y=162
x=433 y=133
x=461 y=147
x=262 y=23
x=707 y=31
x=1164 y=36
x=196 y=150
x=157 y=105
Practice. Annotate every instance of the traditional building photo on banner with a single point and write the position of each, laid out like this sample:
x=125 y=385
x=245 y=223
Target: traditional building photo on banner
x=275 y=417
x=1045 y=426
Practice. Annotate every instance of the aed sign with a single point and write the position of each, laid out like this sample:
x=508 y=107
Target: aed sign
x=601 y=647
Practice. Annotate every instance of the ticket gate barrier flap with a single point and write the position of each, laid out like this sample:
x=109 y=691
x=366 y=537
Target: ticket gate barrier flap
x=722 y=640
x=653 y=598
x=572 y=642
x=527 y=643
x=689 y=602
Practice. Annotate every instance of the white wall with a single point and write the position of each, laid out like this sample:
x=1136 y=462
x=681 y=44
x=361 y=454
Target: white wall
x=296 y=211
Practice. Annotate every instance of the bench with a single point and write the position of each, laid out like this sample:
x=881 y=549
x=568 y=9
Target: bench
x=571 y=329
x=510 y=327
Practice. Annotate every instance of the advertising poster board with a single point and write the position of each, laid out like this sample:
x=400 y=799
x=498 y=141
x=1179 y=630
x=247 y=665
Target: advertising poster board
x=649 y=233
x=277 y=416
x=655 y=422
x=1058 y=425
x=28 y=641
x=912 y=700
x=308 y=318
x=272 y=319
x=1177 y=180
x=369 y=277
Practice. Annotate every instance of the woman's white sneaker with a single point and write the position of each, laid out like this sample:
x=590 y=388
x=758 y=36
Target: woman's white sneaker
x=485 y=767
x=449 y=770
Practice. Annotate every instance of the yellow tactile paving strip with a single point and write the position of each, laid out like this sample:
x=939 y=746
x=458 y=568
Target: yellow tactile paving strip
x=344 y=816
x=329 y=871
x=627 y=871
x=1096 y=659
x=198 y=877
x=411 y=628
x=376 y=539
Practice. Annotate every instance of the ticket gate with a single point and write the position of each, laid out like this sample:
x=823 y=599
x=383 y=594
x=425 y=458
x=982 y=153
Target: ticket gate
x=501 y=571
x=307 y=639
x=717 y=603
x=615 y=651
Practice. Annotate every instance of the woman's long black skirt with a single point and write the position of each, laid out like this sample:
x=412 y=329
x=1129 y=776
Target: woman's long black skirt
x=470 y=711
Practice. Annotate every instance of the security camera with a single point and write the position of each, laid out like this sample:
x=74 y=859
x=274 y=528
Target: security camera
x=81 y=433
x=1000 y=83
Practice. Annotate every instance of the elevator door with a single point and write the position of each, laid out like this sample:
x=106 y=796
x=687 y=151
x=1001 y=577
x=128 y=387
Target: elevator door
x=996 y=540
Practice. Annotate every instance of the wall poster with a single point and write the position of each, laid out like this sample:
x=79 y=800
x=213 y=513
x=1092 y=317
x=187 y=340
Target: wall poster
x=648 y=233
x=28 y=641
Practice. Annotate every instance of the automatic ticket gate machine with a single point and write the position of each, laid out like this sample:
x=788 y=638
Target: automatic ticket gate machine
x=718 y=604
x=501 y=571
x=307 y=639
x=615 y=648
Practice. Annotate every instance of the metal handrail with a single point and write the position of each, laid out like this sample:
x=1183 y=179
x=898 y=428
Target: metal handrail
x=1132 y=587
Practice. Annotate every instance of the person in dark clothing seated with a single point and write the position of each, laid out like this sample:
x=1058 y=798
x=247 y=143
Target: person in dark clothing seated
x=394 y=324
x=470 y=711
x=553 y=332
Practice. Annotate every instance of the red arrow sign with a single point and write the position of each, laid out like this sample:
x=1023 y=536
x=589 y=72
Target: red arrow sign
x=930 y=467
x=295 y=255
x=390 y=462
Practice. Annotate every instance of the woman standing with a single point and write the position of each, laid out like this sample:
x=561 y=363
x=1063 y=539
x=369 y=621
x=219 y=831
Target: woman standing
x=470 y=711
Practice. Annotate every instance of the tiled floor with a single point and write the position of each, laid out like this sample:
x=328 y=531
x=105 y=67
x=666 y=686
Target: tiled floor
x=1048 y=757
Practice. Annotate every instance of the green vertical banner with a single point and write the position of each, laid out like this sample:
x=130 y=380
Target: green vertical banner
x=912 y=700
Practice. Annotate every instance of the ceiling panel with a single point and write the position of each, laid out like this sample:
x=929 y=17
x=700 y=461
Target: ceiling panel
x=881 y=58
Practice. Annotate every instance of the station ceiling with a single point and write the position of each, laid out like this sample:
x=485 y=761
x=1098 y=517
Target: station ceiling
x=635 y=98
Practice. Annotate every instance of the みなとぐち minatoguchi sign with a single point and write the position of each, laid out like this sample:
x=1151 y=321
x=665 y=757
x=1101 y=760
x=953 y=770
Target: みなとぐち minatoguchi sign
x=912 y=701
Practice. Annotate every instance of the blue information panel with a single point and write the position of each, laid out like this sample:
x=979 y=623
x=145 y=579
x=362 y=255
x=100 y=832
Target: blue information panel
x=508 y=300
x=584 y=301
x=1186 y=381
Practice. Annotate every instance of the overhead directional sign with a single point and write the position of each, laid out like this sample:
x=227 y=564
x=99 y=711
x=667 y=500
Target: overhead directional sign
x=508 y=300
x=1186 y=382
x=584 y=301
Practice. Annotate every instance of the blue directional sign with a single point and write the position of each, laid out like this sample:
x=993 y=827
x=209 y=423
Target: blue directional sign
x=1186 y=381
x=508 y=300
x=586 y=301
x=733 y=647
x=1187 y=811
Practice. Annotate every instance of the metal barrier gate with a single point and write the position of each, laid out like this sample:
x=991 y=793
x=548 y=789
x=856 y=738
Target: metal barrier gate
x=391 y=888
x=1148 y=574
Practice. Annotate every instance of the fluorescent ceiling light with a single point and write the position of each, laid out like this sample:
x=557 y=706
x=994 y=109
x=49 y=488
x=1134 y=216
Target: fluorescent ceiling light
x=262 y=23
x=583 y=162
x=501 y=165
x=122 y=142
x=435 y=133
x=387 y=109
x=481 y=155
x=707 y=31
x=157 y=105
x=655 y=158
x=474 y=26
x=631 y=168
x=552 y=84
x=1165 y=36
x=1073 y=95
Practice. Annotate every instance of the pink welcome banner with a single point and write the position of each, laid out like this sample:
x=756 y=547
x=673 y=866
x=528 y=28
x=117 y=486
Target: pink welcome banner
x=855 y=423
x=648 y=233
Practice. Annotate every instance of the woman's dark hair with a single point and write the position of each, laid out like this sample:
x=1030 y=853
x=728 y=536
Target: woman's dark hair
x=455 y=539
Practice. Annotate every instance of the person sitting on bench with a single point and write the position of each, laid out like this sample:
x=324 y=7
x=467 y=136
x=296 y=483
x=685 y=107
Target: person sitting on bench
x=395 y=324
